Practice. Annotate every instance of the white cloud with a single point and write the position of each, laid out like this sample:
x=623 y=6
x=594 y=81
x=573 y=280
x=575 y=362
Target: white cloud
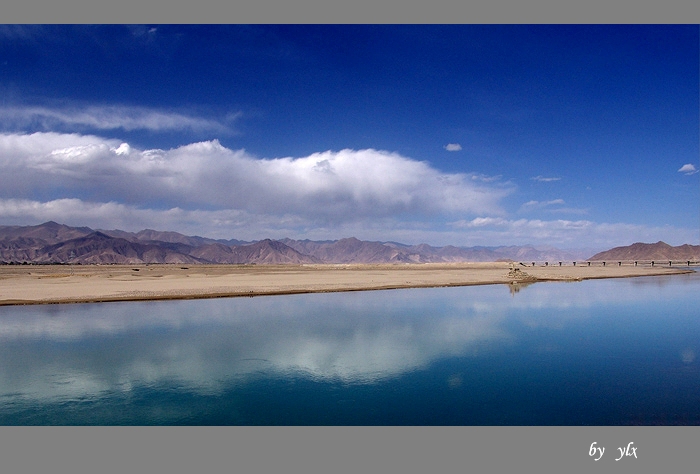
x=207 y=189
x=484 y=178
x=240 y=224
x=109 y=118
x=326 y=188
x=533 y=205
x=453 y=147
x=483 y=222
x=568 y=210
x=565 y=233
x=543 y=179
x=688 y=169
x=225 y=223
x=550 y=207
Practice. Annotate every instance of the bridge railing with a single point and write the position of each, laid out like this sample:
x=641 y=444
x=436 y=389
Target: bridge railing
x=612 y=263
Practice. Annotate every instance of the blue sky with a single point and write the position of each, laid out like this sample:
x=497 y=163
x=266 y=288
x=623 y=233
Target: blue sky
x=576 y=136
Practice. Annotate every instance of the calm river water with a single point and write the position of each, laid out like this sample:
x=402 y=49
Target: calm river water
x=599 y=352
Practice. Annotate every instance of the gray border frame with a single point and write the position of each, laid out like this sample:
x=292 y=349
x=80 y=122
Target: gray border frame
x=346 y=449
x=343 y=11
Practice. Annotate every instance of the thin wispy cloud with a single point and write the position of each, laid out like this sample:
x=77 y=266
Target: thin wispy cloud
x=36 y=118
x=453 y=147
x=482 y=222
x=567 y=233
x=688 y=169
x=484 y=178
x=21 y=32
x=554 y=206
x=568 y=210
x=534 y=205
x=544 y=179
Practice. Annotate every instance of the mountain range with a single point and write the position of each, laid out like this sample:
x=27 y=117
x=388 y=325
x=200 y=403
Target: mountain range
x=57 y=243
x=658 y=251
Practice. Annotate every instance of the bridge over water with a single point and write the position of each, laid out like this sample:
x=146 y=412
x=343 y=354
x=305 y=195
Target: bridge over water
x=619 y=263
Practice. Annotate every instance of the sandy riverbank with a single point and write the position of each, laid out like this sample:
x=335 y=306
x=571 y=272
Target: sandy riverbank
x=41 y=284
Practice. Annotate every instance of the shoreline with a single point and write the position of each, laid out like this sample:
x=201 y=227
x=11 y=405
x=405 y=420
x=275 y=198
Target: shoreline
x=58 y=284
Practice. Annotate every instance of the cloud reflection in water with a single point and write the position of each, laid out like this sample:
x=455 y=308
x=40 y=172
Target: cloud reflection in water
x=68 y=351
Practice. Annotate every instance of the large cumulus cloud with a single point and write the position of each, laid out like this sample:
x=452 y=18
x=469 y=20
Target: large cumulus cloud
x=329 y=186
x=207 y=189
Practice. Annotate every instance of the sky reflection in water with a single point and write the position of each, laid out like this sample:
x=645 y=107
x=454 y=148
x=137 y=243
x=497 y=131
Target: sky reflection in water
x=593 y=352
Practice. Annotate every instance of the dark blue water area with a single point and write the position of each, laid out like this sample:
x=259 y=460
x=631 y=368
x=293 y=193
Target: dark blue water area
x=598 y=352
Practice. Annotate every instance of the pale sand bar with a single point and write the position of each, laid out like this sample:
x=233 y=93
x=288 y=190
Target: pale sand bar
x=41 y=284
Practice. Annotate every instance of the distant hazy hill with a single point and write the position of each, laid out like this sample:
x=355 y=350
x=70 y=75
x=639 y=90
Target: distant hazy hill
x=102 y=248
x=56 y=243
x=264 y=252
x=657 y=251
x=349 y=250
x=47 y=233
x=352 y=250
x=168 y=236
